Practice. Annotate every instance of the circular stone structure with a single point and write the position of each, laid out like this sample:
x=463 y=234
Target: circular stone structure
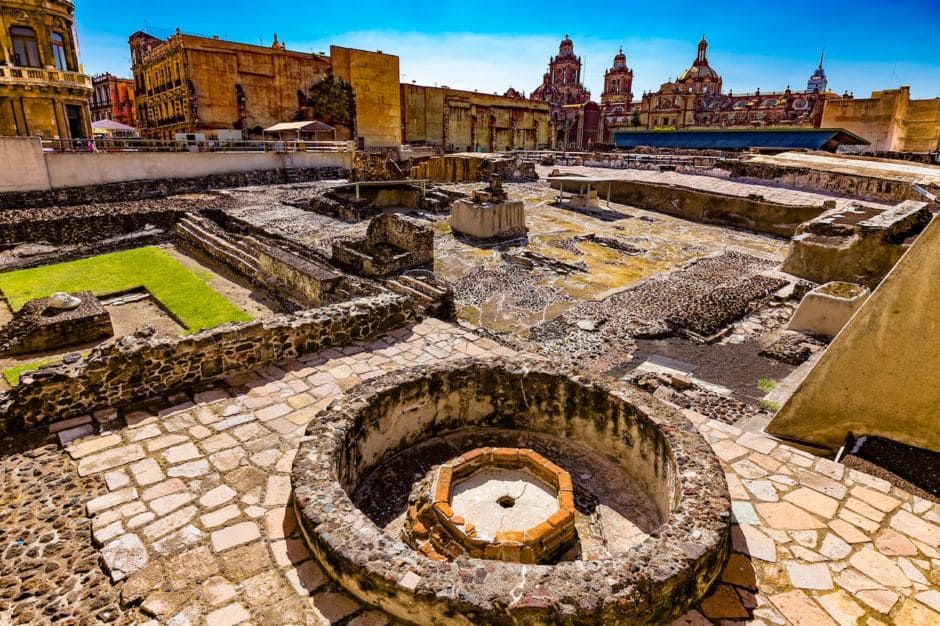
x=650 y=582
x=509 y=504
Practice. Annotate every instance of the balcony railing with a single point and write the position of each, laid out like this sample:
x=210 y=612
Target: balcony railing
x=133 y=144
x=41 y=75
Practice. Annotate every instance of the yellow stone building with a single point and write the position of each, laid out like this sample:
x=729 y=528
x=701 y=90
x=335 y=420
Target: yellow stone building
x=471 y=121
x=42 y=88
x=190 y=84
x=890 y=120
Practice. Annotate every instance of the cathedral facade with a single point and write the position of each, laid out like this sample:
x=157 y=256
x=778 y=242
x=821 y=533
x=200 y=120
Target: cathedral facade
x=696 y=99
x=576 y=120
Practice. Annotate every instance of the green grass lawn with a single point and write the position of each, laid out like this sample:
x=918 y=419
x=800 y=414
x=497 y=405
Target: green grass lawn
x=192 y=302
x=12 y=374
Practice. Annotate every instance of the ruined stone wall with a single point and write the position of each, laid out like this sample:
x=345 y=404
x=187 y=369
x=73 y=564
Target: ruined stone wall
x=751 y=212
x=140 y=367
x=159 y=187
x=66 y=226
x=472 y=168
x=855 y=185
x=890 y=120
x=317 y=284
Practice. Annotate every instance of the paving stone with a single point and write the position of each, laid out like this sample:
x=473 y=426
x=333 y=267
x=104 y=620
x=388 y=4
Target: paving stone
x=265 y=588
x=280 y=522
x=234 y=535
x=162 y=604
x=166 y=441
x=805 y=576
x=109 y=459
x=841 y=608
x=375 y=618
x=813 y=501
x=806 y=538
x=191 y=568
x=723 y=602
x=218 y=442
x=916 y=614
x=168 y=524
x=67 y=424
x=124 y=556
x=822 y=484
x=162 y=506
x=73 y=434
x=143 y=432
x=834 y=548
x=861 y=521
x=217 y=497
x=754 y=441
x=740 y=572
x=192 y=469
x=217 y=518
x=916 y=528
x=217 y=590
x=278 y=490
x=848 y=532
x=786 y=516
x=879 y=567
x=228 y=616
x=242 y=562
x=764 y=490
x=228 y=459
x=210 y=395
x=306 y=577
x=863 y=509
x=91 y=446
x=141 y=582
x=146 y=472
x=116 y=480
x=184 y=452
x=882 y=600
x=106 y=533
x=110 y=500
x=931 y=598
x=141 y=519
x=749 y=540
x=800 y=610
x=186 y=537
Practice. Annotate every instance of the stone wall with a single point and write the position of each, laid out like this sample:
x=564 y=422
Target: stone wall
x=752 y=212
x=375 y=80
x=144 y=366
x=317 y=283
x=473 y=168
x=80 y=225
x=855 y=185
x=393 y=243
x=159 y=187
x=37 y=328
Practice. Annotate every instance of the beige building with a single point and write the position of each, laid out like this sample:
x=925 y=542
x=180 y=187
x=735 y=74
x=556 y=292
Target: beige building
x=467 y=120
x=890 y=120
x=190 y=84
x=42 y=88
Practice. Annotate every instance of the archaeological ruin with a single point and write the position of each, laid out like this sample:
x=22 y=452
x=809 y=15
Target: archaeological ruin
x=405 y=387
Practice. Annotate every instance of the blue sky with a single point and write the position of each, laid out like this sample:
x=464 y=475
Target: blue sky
x=766 y=45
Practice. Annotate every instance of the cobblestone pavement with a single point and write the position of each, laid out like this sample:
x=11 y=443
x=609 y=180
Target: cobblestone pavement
x=195 y=527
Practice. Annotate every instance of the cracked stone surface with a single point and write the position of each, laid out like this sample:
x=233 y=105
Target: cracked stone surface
x=205 y=489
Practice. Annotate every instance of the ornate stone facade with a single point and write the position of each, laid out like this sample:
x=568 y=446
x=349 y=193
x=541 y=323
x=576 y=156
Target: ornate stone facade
x=113 y=99
x=575 y=118
x=42 y=88
x=696 y=99
x=617 y=99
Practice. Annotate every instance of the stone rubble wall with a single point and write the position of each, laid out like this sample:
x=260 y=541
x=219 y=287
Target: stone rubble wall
x=806 y=178
x=67 y=227
x=144 y=366
x=161 y=187
x=33 y=330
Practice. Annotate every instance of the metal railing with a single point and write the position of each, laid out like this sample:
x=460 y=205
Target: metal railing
x=42 y=75
x=133 y=144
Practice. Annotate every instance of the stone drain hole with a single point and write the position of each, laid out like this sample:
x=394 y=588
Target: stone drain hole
x=507 y=502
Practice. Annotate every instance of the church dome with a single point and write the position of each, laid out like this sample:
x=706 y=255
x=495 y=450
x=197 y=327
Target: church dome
x=699 y=72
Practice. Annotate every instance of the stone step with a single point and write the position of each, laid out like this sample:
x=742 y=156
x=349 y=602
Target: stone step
x=203 y=238
x=422 y=286
x=404 y=290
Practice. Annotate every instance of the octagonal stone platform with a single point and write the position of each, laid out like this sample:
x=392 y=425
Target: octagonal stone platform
x=509 y=504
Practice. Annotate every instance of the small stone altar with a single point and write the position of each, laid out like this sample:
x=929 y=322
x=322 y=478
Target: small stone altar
x=509 y=504
x=57 y=321
x=489 y=213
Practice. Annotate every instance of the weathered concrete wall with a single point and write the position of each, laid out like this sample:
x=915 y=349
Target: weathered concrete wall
x=375 y=80
x=72 y=169
x=32 y=170
x=750 y=213
x=24 y=168
x=879 y=376
x=500 y=219
x=137 y=367
x=825 y=311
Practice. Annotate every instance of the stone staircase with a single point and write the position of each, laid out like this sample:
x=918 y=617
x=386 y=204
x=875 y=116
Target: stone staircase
x=204 y=236
x=434 y=299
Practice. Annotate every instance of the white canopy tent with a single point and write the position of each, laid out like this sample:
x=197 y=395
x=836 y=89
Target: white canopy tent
x=310 y=130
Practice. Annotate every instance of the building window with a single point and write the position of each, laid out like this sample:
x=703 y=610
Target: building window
x=58 y=51
x=25 y=47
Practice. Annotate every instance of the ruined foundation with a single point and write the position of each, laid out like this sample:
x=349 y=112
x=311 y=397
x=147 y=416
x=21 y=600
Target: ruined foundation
x=38 y=327
x=489 y=213
x=650 y=582
x=826 y=309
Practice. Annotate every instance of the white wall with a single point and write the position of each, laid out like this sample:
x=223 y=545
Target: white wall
x=24 y=167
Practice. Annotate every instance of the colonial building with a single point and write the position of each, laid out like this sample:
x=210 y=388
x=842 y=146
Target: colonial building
x=112 y=98
x=617 y=98
x=890 y=120
x=696 y=99
x=42 y=88
x=575 y=119
x=190 y=84
x=466 y=120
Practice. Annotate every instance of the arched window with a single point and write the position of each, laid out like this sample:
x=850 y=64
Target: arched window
x=25 y=47
x=58 y=51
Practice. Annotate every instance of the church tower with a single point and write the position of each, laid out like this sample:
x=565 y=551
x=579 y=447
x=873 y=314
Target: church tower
x=818 y=81
x=618 y=82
